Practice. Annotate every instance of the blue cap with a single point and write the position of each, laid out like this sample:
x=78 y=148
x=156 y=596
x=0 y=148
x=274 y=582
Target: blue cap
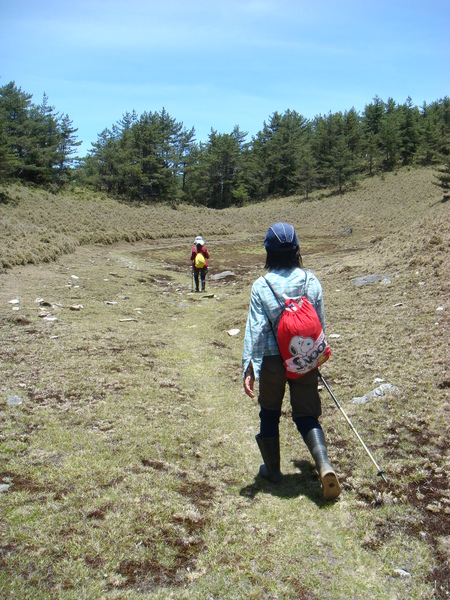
x=281 y=237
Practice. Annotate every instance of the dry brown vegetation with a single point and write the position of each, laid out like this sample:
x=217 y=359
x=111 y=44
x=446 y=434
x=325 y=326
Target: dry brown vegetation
x=129 y=468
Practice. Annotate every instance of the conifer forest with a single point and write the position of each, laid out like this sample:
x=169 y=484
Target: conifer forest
x=152 y=157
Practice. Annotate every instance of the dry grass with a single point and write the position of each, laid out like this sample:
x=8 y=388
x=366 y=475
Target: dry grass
x=131 y=461
x=39 y=227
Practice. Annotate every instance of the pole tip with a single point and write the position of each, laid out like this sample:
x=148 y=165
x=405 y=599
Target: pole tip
x=381 y=474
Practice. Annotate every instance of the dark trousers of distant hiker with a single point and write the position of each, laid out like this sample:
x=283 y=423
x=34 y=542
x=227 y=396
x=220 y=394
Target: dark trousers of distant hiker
x=202 y=273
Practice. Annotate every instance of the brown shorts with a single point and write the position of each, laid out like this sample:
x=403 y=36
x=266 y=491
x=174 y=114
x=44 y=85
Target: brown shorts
x=304 y=395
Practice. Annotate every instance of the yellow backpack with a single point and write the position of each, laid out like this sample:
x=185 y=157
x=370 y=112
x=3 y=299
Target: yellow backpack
x=199 y=261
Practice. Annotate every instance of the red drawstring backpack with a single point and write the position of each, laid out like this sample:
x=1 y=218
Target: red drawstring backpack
x=301 y=339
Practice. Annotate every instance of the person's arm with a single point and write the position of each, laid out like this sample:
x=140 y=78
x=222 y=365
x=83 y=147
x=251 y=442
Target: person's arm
x=313 y=292
x=249 y=381
x=253 y=342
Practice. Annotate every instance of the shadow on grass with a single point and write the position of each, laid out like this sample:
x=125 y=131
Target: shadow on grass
x=305 y=483
x=4 y=198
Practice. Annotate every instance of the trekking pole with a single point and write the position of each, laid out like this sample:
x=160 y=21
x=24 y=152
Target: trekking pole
x=380 y=471
x=192 y=279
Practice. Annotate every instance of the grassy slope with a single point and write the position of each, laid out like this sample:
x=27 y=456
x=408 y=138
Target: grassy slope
x=39 y=227
x=131 y=461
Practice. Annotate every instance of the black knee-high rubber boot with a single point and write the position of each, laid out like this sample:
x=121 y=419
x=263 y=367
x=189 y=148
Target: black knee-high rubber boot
x=315 y=440
x=270 y=452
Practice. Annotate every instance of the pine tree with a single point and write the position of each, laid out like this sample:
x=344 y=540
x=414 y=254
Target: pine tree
x=408 y=127
x=98 y=166
x=14 y=106
x=389 y=135
x=223 y=165
x=444 y=126
x=443 y=155
x=278 y=146
x=196 y=182
x=254 y=175
x=332 y=150
x=43 y=140
x=428 y=135
x=185 y=149
x=260 y=178
x=307 y=171
x=371 y=126
x=66 y=148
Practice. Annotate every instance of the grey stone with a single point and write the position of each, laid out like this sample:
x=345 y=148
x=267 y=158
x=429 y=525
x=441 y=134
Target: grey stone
x=371 y=279
x=380 y=391
x=222 y=275
x=14 y=400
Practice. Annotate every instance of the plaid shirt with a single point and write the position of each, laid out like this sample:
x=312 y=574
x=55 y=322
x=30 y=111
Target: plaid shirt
x=259 y=339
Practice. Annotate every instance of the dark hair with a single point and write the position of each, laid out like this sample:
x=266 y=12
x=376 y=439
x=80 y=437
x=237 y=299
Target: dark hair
x=283 y=260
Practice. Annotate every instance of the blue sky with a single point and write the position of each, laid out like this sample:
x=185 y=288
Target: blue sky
x=217 y=64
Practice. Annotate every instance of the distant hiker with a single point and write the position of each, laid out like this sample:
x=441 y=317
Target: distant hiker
x=262 y=360
x=199 y=256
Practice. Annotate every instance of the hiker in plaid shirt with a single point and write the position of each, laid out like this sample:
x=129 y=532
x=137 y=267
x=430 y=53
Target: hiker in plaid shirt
x=262 y=361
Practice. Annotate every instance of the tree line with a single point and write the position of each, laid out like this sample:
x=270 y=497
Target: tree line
x=37 y=144
x=154 y=158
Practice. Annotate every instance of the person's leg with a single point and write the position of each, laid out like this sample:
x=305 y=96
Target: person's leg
x=269 y=422
x=196 y=279
x=272 y=385
x=305 y=402
x=305 y=424
x=306 y=410
x=203 y=278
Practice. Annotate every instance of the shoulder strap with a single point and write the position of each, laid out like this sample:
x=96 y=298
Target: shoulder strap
x=268 y=318
x=273 y=292
x=307 y=273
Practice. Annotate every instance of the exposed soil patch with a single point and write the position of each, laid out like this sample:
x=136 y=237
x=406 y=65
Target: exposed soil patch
x=21 y=483
x=182 y=540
